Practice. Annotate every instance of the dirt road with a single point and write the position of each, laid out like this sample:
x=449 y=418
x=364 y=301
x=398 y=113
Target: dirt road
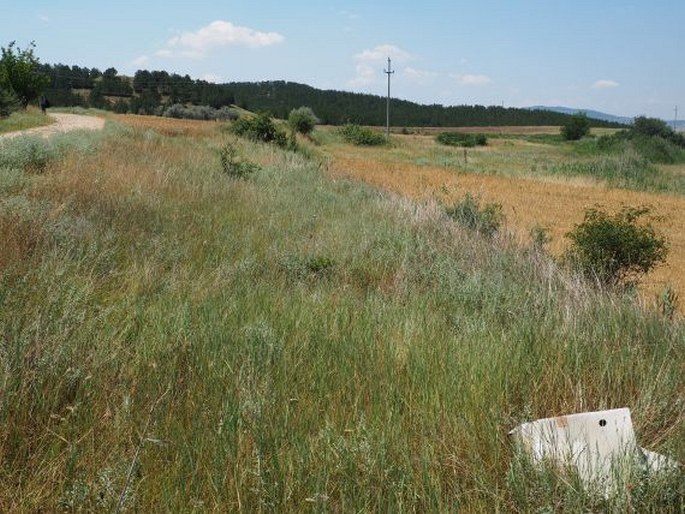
x=63 y=123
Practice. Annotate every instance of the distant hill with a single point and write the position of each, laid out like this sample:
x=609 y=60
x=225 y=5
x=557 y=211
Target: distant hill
x=151 y=92
x=338 y=107
x=595 y=115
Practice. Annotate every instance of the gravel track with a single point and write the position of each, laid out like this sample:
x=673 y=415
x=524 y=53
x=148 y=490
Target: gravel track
x=63 y=123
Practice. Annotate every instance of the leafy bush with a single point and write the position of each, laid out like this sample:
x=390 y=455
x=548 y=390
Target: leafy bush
x=612 y=248
x=577 y=127
x=303 y=120
x=644 y=126
x=232 y=165
x=459 y=139
x=658 y=149
x=260 y=128
x=485 y=220
x=361 y=136
x=200 y=112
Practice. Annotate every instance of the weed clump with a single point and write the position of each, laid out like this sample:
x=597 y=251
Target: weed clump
x=231 y=165
x=30 y=154
x=361 y=136
x=486 y=219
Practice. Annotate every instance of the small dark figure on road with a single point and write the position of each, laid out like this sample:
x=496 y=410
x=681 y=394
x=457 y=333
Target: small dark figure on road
x=44 y=103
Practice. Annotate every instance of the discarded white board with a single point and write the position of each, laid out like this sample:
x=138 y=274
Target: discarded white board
x=599 y=445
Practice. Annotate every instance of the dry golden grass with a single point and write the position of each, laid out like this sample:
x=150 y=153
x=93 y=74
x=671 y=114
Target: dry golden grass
x=19 y=239
x=169 y=126
x=550 y=129
x=554 y=204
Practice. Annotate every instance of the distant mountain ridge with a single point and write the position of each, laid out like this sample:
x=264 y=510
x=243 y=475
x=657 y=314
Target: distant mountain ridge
x=595 y=115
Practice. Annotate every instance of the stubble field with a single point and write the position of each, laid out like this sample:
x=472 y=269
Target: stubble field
x=518 y=174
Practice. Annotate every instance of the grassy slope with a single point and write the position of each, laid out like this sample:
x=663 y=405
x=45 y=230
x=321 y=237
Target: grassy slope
x=22 y=120
x=289 y=342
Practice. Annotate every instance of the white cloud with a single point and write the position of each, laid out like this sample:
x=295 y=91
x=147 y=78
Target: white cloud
x=605 y=84
x=349 y=15
x=382 y=52
x=472 y=80
x=421 y=77
x=366 y=75
x=140 y=61
x=369 y=63
x=210 y=77
x=217 y=34
x=43 y=18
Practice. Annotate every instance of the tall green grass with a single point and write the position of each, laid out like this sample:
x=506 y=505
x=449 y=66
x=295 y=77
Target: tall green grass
x=624 y=169
x=174 y=340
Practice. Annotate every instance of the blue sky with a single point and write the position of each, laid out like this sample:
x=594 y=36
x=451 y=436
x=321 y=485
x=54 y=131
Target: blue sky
x=622 y=57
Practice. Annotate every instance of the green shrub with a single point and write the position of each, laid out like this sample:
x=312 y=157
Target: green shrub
x=612 y=248
x=577 y=127
x=651 y=138
x=643 y=126
x=460 y=139
x=302 y=120
x=260 y=128
x=658 y=149
x=485 y=220
x=361 y=136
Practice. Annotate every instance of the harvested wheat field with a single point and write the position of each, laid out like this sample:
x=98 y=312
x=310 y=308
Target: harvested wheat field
x=505 y=173
x=169 y=126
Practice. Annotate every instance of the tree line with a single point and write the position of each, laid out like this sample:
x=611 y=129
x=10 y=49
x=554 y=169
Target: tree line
x=151 y=92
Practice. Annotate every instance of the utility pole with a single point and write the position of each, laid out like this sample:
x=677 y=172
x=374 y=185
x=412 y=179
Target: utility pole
x=389 y=72
x=675 y=120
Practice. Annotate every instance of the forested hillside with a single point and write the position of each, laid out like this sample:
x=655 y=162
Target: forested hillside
x=150 y=92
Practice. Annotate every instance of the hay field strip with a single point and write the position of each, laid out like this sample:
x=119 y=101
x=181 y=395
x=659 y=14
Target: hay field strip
x=505 y=172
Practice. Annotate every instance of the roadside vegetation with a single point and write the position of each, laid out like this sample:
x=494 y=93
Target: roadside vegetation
x=361 y=136
x=174 y=339
x=22 y=120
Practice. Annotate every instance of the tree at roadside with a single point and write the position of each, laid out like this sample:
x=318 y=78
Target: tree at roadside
x=20 y=76
x=8 y=102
